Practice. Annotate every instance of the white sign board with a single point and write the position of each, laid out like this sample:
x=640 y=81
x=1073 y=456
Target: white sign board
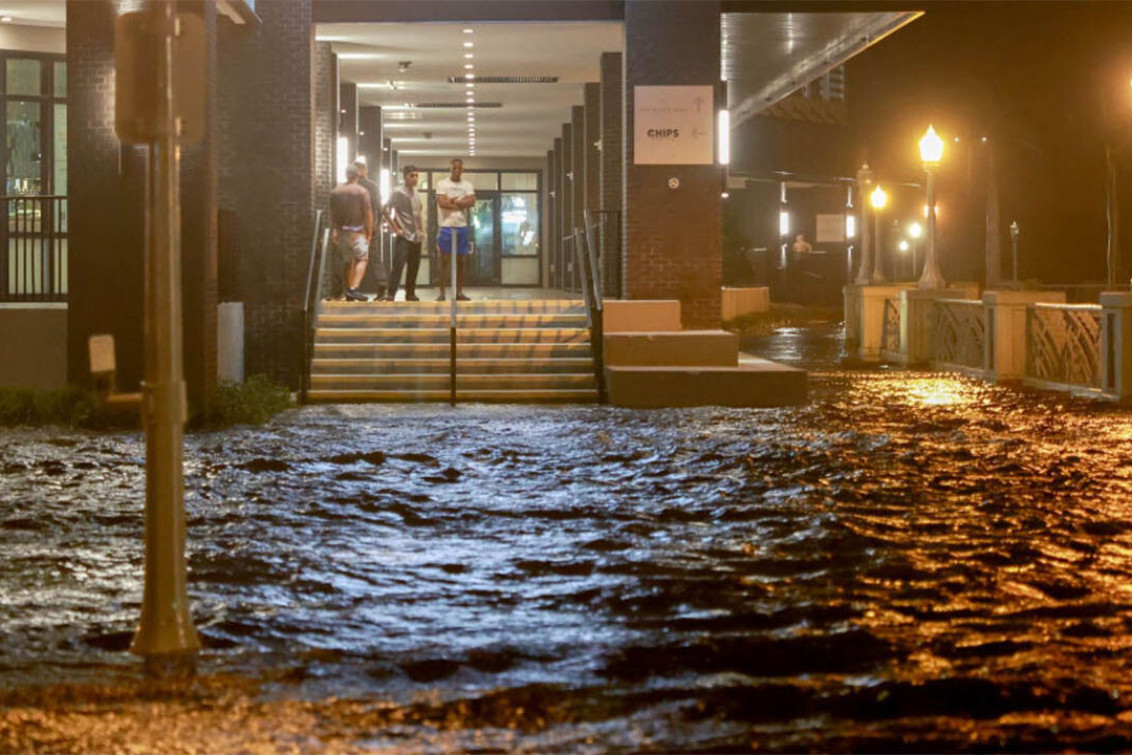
x=673 y=125
x=831 y=228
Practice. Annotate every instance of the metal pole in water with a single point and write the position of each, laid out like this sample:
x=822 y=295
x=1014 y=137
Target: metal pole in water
x=452 y=320
x=165 y=636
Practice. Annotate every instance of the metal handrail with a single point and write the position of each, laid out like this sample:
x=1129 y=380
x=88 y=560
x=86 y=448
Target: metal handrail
x=586 y=261
x=316 y=271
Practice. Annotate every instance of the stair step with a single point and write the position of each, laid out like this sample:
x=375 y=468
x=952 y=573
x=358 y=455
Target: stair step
x=476 y=395
x=483 y=306
x=442 y=335
x=414 y=350
x=419 y=381
x=410 y=365
x=464 y=321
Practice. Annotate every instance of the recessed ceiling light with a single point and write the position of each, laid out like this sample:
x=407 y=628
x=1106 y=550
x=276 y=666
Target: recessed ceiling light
x=469 y=44
x=470 y=85
x=469 y=31
x=469 y=66
x=469 y=55
x=6 y=19
x=469 y=76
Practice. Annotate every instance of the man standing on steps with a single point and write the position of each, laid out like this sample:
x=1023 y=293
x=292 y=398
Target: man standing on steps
x=454 y=196
x=351 y=228
x=377 y=264
x=403 y=213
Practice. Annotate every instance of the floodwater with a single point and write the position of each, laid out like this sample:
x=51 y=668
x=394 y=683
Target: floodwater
x=912 y=561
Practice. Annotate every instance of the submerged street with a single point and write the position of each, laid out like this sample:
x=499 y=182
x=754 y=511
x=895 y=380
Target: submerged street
x=912 y=560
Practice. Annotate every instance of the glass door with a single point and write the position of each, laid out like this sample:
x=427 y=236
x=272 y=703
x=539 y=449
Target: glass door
x=482 y=267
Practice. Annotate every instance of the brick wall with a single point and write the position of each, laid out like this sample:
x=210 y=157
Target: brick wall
x=268 y=159
x=106 y=233
x=611 y=117
x=672 y=237
x=593 y=154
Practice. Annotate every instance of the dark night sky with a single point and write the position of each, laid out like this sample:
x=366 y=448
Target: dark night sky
x=1046 y=82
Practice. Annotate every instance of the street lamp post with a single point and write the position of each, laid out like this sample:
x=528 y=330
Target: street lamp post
x=916 y=231
x=865 y=269
x=878 y=199
x=931 y=153
x=1014 y=231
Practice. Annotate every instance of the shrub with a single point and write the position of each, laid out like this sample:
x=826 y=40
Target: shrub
x=252 y=402
x=70 y=406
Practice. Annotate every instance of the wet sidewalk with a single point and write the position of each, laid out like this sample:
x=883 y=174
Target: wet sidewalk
x=911 y=561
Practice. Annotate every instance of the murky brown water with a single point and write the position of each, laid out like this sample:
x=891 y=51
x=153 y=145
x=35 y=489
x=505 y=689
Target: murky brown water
x=912 y=561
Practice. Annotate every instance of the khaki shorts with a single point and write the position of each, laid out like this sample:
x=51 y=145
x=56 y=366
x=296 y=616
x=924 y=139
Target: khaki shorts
x=352 y=245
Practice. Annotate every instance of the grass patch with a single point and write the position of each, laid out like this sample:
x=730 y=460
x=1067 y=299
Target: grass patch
x=781 y=316
x=70 y=407
x=252 y=402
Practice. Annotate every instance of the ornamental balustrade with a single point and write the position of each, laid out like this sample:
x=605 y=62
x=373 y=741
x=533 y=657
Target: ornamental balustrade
x=890 y=338
x=959 y=333
x=1063 y=347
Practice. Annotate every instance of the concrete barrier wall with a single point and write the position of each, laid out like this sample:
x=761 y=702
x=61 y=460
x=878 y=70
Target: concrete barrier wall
x=641 y=315
x=744 y=301
x=33 y=346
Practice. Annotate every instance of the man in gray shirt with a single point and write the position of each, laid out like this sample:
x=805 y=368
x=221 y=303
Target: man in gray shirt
x=403 y=213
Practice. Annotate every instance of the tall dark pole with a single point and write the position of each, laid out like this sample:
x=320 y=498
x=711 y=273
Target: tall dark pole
x=165 y=636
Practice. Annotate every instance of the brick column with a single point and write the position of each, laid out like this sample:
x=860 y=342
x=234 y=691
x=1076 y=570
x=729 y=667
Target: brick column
x=199 y=178
x=672 y=236
x=348 y=119
x=325 y=65
x=106 y=182
x=556 y=228
x=578 y=153
x=566 y=204
x=548 y=246
x=106 y=234
x=270 y=85
x=593 y=154
x=612 y=113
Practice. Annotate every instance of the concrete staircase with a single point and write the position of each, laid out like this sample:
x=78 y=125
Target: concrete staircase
x=507 y=352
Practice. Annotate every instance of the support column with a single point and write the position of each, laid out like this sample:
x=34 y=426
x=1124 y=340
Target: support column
x=612 y=153
x=106 y=231
x=106 y=185
x=1116 y=344
x=592 y=142
x=1005 y=342
x=672 y=212
x=548 y=221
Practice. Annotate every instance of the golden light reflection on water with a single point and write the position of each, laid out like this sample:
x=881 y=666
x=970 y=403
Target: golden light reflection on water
x=938 y=391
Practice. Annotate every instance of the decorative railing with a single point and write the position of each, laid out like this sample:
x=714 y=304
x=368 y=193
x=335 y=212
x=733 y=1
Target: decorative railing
x=1063 y=346
x=890 y=335
x=33 y=249
x=959 y=331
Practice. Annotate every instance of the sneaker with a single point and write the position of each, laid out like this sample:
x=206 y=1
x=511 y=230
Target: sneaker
x=411 y=297
x=441 y=298
x=462 y=297
x=354 y=295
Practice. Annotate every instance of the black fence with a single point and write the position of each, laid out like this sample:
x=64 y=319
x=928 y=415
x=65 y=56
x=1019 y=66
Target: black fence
x=33 y=249
x=605 y=230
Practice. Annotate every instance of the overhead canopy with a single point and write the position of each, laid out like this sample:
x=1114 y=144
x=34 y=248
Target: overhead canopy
x=529 y=74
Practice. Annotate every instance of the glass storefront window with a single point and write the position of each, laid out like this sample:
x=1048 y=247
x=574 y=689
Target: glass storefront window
x=60 y=166
x=24 y=76
x=520 y=182
x=25 y=148
x=520 y=224
x=483 y=181
x=60 y=78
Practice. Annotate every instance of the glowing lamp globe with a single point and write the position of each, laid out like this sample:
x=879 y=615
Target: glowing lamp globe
x=931 y=148
x=878 y=198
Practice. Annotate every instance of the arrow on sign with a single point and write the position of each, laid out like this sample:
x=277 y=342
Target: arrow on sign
x=699 y=103
x=696 y=133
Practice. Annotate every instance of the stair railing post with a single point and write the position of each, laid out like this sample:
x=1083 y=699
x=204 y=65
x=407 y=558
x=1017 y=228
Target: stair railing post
x=452 y=321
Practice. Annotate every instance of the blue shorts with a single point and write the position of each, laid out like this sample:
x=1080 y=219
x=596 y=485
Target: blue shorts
x=444 y=240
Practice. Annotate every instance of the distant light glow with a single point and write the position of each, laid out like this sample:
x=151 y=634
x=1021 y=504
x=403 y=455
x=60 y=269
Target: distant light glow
x=783 y=223
x=915 y=230
x=384 y=185
x=725 y=138
x=878 y=198
x=903 y=245
x=850 y=226
x=931 y=148
x=343 y=154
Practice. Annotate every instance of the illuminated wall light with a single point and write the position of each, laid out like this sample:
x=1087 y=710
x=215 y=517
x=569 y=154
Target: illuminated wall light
x=850 y=226
x=724 y=137
x=783 y=223
x=343 y=154
x=384 y=185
